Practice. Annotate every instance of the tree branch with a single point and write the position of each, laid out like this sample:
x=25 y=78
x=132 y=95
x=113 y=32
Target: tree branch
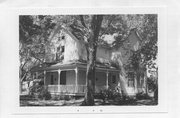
x=82 y=21
x=22 y=66
x=24 y=76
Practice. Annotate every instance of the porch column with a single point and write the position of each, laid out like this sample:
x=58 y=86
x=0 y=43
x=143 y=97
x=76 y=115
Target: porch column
x=107 y=75
x=44 y=78
x=76 y=80
x=59 y=79
x=145 y=82
x=135 y=84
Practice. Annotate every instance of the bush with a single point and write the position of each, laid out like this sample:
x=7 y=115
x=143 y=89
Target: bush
x=141 y=96
x=44 y=94
x=109 y=94
x=33 y=90
x=55 y=97
x=128 y=101
x=40 y=92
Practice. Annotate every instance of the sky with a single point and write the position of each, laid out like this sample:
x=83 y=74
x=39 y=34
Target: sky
x=109 y=38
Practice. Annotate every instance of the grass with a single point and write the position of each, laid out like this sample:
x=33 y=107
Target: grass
x=78 y=102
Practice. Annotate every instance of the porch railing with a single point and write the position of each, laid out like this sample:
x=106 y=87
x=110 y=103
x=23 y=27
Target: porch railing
x=71 y=88
x=66 y=88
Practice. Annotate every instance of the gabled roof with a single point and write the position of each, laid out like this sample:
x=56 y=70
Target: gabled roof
x=59 y=27
x=127 y=38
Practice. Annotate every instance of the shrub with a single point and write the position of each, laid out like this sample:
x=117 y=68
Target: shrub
x=56 y=97
x=109 y=94
x=141 y=96
x=40 y=92
x=128 y=101
x=44 y=94
x=34 y=89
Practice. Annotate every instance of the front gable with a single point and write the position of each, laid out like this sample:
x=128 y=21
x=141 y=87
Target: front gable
x=133 y=40
x=74 y=49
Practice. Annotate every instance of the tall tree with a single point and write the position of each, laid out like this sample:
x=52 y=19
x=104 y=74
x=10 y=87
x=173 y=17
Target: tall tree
x=91 y=58
x=93 y=32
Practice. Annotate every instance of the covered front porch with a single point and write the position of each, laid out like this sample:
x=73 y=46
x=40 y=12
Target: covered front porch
x=71 y=89
x=71 y=79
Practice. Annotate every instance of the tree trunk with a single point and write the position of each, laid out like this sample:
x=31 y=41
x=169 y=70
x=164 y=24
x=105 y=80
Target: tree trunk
x=91 y=59
x=123 y=82
x=123 y=85
x=146 y=84
x=122 y=78
x=90 y=79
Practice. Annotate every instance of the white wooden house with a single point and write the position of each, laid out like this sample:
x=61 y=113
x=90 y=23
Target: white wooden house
x=69 y=76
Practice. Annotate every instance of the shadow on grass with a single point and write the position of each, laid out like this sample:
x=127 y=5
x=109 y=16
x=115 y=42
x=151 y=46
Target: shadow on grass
x=78 y=102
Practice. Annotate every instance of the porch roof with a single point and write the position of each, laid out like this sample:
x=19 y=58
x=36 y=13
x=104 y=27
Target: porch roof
x=73 y=65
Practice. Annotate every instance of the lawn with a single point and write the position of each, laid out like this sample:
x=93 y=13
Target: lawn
x=78 y=102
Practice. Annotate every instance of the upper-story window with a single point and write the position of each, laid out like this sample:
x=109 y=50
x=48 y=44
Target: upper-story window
x=114 y=79
x=62 y=49
x=63 y=37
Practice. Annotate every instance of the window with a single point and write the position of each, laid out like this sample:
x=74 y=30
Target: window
x=131 y=79
x=130 y=83
x=114 y=79
x=52 y=80
x=62 y=49
x=63 y=37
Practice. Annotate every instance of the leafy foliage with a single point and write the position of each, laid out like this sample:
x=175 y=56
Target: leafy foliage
x=33 y=32
x=141 y=96
x=109 y=94
x=44 y=94
x=148 y=51
x=40 y=92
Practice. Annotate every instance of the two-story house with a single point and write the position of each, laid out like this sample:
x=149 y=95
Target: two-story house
x=69 y=76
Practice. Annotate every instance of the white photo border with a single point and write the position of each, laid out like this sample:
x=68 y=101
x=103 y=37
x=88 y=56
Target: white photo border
x=162 y=106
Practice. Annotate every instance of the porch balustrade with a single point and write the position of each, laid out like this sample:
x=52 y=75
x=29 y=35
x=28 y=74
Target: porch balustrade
x=71 y=89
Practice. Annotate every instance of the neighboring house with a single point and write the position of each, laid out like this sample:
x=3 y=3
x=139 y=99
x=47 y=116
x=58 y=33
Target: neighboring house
x=69 y=76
